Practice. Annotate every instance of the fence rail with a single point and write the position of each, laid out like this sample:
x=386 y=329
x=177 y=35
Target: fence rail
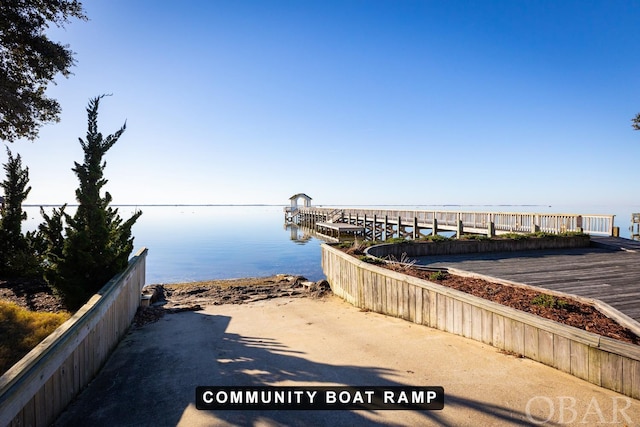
x=38 y=388
x=402 y=223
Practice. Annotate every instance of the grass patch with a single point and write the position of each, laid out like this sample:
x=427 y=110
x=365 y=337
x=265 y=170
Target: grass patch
x=398 y=240
x=474 y=237
x=514 y=236
x=549 y=301
x=435 y=238
x=437 y=275
x=376 y=261
x=21 y=330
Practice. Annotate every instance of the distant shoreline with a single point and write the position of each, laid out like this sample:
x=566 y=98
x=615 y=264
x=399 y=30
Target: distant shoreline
x=36 y=205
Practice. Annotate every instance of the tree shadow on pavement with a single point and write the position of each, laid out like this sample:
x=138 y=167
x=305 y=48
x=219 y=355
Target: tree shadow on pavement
x=152 y=376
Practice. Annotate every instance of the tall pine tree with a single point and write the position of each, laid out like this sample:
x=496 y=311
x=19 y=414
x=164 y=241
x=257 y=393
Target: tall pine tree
x=97 y=242
x=17 y=257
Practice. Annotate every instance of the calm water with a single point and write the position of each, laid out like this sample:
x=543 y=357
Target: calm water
x=190 y=243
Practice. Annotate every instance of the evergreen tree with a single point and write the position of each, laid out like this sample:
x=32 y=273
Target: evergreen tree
x=29 y=61
x=97 y=241
x=635 y=122
x=17 y=256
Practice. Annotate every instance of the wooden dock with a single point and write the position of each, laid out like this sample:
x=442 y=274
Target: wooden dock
x=383 y=224
x=337 y=230
x=609 y=270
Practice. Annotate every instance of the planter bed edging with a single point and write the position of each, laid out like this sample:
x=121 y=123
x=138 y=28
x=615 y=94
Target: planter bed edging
x=602 y=361
x=455 y=247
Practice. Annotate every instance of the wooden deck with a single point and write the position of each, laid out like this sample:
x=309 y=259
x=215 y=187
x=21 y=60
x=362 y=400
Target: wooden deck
x=608 y=271
x=335 y=230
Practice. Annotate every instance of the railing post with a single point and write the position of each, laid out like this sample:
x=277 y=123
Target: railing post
x=415 y=228
x=612 y=228
x=459 y=226
x=434 y=230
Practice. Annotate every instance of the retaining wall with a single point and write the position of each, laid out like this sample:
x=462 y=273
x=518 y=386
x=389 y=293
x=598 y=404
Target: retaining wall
x=451 y=247
x=602 y=361
x=38 y=388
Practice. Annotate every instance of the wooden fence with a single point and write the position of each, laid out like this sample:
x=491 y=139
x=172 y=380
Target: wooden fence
x=38 y=388
x=602 y=361
x=381 y=224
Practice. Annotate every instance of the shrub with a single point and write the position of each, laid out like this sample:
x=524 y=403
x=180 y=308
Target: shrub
x=548 y=301
x=514 y=236
x=438 y=275
x=370 y=260
x=393 y=240
x=474 y=237
x=435 y=238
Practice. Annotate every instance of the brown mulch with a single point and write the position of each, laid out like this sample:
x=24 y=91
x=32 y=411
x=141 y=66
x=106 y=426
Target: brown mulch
x=572 y=312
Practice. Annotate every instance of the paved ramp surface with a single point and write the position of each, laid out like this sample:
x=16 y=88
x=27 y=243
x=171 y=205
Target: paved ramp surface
x=152 y=376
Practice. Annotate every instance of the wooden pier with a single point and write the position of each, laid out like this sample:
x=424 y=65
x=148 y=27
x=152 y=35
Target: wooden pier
x=380 y=224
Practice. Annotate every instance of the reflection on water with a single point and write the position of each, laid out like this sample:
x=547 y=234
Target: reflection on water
x=190 y=243
x=298 y=234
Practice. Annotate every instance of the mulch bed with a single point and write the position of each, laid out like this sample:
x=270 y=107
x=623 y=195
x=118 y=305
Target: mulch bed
x=572 y=313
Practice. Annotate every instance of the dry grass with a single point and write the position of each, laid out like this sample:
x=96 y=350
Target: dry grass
x=21 y=330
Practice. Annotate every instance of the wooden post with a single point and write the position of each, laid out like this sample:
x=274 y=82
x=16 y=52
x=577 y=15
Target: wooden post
x=375 y=227
x=533 y=224
x=364 y=226
x=415 y=228
x=491 y=229
x=434 y=230
x=399 y=226
x=386 y=227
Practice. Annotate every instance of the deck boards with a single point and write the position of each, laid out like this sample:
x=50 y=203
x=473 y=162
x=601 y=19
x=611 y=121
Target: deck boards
x=600 y=272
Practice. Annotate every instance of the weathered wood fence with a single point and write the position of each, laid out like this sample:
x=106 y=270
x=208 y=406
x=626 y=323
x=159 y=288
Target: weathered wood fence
x=383 y=224
x=38 y=388
x=602 y=361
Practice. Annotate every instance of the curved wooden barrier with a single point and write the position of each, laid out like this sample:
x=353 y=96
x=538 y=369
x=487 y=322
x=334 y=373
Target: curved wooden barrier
x=602 y=361
x=38 y=388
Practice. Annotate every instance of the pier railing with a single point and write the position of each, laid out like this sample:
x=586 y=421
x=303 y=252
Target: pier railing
x=37 y=389
x=396 y=222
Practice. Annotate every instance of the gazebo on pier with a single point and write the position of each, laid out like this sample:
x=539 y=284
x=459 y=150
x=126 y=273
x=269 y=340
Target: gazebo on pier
x=290 y=211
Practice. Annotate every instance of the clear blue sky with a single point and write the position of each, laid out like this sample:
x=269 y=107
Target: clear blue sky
x=351 y=102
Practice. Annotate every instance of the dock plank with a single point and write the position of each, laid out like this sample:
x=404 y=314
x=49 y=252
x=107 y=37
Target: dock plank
x=608 y=272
